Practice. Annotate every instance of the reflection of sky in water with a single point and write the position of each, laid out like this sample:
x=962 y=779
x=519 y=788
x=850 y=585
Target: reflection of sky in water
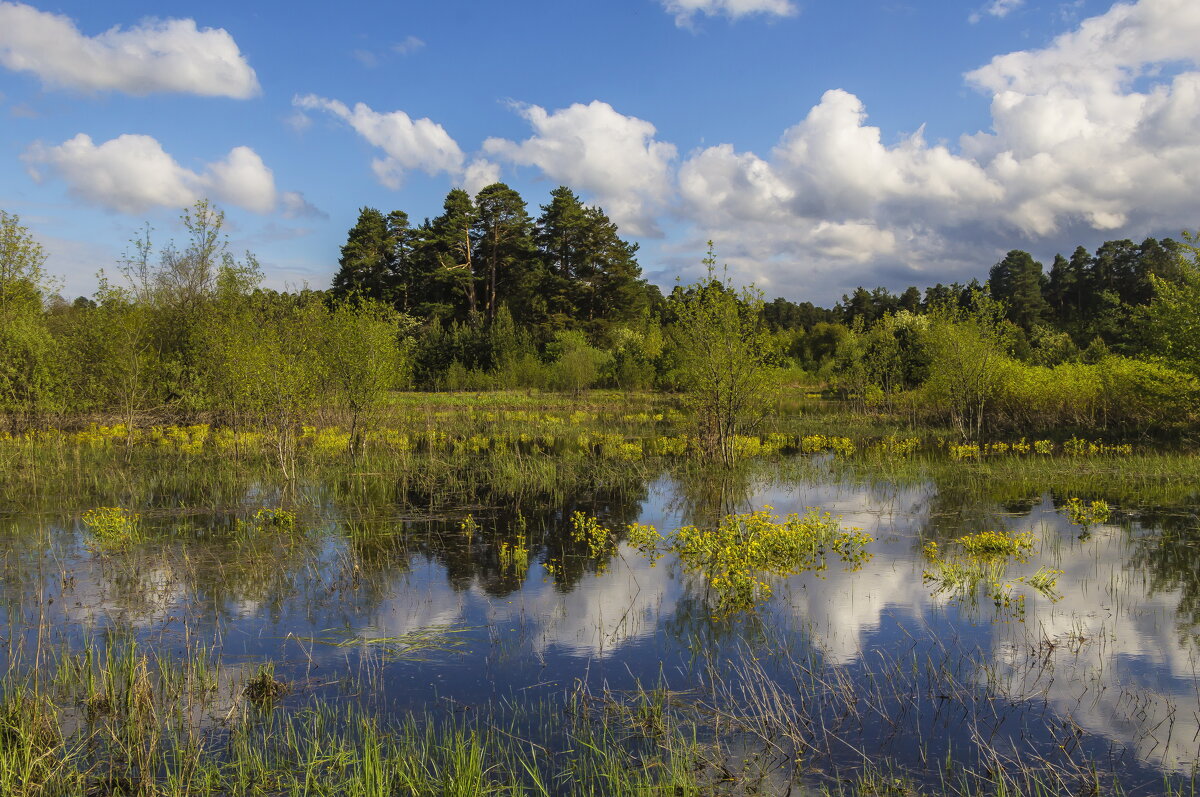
x=1107 y=654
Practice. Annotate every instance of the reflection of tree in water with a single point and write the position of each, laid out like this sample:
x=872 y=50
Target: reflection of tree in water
x=705 y=495
x=543 y=518
x=1172 y=559
x=694 y=626
x=959 y=506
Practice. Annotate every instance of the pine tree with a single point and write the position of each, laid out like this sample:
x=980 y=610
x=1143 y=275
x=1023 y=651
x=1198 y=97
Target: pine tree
x=363 y=266
x=504 y=248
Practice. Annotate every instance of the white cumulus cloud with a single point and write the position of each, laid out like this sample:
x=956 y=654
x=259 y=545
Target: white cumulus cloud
x=407 y=144
x=686 y=10
x=155 y=56
x=133 y=173
x=1092 y=135
x=594 y=149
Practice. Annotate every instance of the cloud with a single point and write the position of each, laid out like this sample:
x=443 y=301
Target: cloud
x=595 y=149
x=996 y=8
x=367 y=58
x=132 y=173
x=294 y=206
x=155 y=56
x=685 y=11
x=408 y=46
x=1092 y=135
x=407 y=144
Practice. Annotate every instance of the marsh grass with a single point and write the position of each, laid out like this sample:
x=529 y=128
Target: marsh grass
x=134 y=723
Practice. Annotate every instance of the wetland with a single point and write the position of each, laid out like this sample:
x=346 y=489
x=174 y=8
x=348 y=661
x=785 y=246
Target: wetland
x=514 y=593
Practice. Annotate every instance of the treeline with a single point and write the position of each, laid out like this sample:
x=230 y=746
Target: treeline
x=190 y=332
x=486 y=296
x=1104 y=341
x=1097 y=301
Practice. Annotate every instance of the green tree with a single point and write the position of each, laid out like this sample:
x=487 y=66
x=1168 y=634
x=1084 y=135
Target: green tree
x=1173 y=320
x=968 y=363
x=30 y=379
x=504 y=248
x=181 y=287
x=362 y=358
x=122 y=358
x=364 y=267
x=1017 y=282
x=447 y=256
x=23 y=281
x=722 y=346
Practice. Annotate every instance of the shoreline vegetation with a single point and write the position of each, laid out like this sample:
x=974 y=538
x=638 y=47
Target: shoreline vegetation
x=496 y=398
x=485 y=298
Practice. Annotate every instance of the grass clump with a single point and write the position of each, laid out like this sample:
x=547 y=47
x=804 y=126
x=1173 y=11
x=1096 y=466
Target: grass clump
x=996 y=543
x=112 y=528
x=264 y=688
x=981 y=566
x=267 y=519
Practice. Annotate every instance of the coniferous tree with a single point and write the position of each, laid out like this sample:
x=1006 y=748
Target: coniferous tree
x=447 y=253
x=504 y=249
x=363 y=267
x=1017 y=281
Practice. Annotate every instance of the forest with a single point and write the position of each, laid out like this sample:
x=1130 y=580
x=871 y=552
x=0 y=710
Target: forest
x=486 y=296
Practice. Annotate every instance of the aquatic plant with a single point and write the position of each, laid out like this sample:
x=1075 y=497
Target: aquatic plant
x=112 y=527
x=1080 y=514
x=996 y=543
x=267 y=519
x=981 y=564
x=514 y=556
x=738 y=558
x=587 y=530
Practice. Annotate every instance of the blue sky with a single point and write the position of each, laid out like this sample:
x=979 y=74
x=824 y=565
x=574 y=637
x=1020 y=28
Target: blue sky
x=821 y=144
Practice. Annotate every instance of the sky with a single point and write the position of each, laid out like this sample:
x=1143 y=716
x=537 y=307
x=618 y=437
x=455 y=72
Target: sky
x=820 y=145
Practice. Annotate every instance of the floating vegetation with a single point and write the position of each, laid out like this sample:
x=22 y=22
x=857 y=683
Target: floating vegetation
x=819 y=443
x=646 y=539
x=469 y=527
x=264 y=689
x=997 y=543
x=1080 y=514
x=739 y=557
x=514 y=556
x=268 y=519
x=981 y=564
x=112 y=528
x=588 y=531
x=416 y=645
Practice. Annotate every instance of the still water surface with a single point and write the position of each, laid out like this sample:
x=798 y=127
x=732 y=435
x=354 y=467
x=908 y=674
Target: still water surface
x=1104 y=667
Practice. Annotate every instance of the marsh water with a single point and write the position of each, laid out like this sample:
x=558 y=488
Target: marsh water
x=380 y=598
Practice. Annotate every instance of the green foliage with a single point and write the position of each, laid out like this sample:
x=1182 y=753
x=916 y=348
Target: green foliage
x=1080 y=514
x=112 y=528
x=738 y=557
x=724 y=360
x=1174 y=324
x=587 y=530
x=363 y=355
x=968 y=363
x=23 y=281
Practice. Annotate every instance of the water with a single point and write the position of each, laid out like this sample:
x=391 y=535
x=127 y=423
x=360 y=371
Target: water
x=391 y=607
